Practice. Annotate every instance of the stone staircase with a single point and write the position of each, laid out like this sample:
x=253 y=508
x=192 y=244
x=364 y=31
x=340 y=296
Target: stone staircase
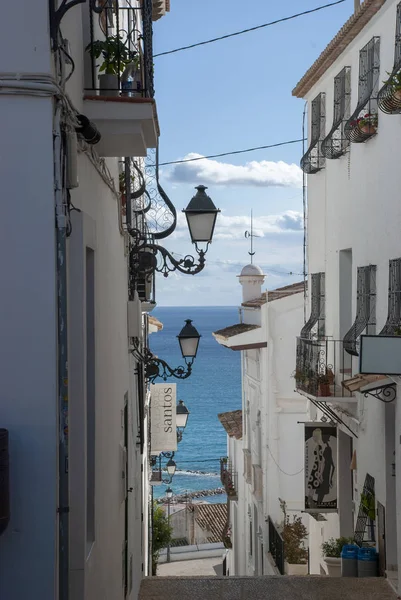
x=265 y=588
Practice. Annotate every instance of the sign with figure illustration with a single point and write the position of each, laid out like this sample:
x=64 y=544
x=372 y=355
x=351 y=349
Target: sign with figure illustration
x=320 y=468
x=163 y=431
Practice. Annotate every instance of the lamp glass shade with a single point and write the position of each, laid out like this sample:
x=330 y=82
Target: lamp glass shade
x=169 y=493
x=182 y=415
x=201 y=215
x=171 y=467
x=189 y=340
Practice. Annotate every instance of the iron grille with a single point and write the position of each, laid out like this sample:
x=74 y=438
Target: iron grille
x=317 y=315
x=313 y=160
x=366 y=506
x=393 y=323
x=365 y=308
x=336 y=143
x=228 y=478
x=363 y=122
x=389 y=96
x=322 y=367
x=276 y=546
x=121 y=33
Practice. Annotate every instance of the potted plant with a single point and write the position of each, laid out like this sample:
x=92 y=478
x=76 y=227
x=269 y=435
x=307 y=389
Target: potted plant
x=332 y=554
x=325 y=380
x=116 y=57
x=394 y=84
x=294 y=535
x=366 y=124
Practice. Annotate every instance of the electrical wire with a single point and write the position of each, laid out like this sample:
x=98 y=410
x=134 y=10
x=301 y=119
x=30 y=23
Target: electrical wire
x=240 y=265
x=280 y=469
x=229 y=35
x=185 y=160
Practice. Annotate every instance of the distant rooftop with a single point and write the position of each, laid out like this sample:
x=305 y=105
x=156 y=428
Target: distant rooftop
x=338 y=44
x=232 y=423
x=232 y=330
x=283 y=292
x=211 y=518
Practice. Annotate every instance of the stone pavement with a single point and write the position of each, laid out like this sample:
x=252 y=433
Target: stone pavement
x=265 y=588
x=201 y=566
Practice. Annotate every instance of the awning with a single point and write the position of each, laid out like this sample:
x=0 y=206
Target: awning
x=371 y=382
x=241 y=336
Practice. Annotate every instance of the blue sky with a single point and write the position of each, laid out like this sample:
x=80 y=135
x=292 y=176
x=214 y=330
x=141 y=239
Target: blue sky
x=230 y=95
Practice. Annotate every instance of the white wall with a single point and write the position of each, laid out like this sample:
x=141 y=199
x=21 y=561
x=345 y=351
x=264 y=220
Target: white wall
x=353 y=204
x=28 y=313
x=28 y=342
x=271 y=411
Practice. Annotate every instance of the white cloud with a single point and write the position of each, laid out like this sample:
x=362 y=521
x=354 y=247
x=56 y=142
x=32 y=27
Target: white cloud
x=229 y=228
x=260 y=174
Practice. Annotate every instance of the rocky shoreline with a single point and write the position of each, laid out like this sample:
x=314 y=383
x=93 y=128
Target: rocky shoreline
x=192 y=495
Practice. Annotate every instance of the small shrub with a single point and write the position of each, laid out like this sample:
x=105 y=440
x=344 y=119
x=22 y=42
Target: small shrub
x=294 y=534
x=332 y=548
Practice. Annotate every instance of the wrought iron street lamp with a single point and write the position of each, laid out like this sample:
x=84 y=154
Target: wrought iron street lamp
x=182 y=415
x=201 y=215
x=171 y=468
x=155 y=367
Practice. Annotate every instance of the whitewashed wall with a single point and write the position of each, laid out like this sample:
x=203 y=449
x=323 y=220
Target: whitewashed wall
x=353 y=204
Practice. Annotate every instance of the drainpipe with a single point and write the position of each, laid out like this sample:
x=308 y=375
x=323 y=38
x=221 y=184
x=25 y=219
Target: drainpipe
x=61 y=236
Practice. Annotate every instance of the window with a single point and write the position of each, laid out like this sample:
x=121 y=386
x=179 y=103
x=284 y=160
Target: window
x=363 y=122
x=317 y=315
x=90 y=397
x=389 y=101
x=393 y=323
x=365 y=308
x=335 y=143
x=313 y=160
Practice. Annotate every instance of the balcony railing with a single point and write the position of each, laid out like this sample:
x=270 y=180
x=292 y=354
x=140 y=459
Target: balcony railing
x=321 y=368
x=121 y=35
x=276 y=546
x=228 y=479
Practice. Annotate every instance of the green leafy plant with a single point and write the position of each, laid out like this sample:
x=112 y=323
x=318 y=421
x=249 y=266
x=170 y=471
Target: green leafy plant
x=161 y=534
x=394 y=81
x=294 y=535
x=332 y=548
x=368 y=505
x=115 y=54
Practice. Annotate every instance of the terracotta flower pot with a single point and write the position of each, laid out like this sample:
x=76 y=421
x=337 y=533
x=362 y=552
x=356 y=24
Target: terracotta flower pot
x=368 y=128
x=324 y=390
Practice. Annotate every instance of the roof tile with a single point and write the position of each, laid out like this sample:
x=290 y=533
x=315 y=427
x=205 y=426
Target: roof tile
x=232 y=423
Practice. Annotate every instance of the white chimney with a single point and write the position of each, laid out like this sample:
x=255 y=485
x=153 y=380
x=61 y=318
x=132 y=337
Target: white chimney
x=251 y=279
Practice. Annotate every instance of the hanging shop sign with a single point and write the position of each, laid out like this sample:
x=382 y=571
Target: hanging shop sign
x=163 y=431
x=320 y=468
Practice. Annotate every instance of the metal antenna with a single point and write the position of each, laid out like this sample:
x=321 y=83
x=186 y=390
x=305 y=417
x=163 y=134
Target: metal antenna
x=251 y=235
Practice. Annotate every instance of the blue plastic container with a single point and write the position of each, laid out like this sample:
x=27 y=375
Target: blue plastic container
x=367 y=562
x=349 y=560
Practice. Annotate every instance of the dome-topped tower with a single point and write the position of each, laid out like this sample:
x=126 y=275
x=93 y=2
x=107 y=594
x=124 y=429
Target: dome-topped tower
x=251 y=279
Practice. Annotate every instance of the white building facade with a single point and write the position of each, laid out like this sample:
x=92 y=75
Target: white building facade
x=264 y=464
x=354 y=256
x=73 y=399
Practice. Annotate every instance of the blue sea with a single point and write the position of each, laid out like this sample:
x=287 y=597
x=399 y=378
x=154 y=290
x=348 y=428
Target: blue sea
x=213 y=387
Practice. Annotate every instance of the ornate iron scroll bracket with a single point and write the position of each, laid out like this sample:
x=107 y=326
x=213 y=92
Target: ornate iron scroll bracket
x=147 y=254
x=386 y=394
x=156 y=367
x=56 y=15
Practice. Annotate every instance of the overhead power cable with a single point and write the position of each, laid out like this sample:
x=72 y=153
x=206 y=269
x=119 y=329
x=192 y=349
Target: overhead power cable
x=229 y=35
x=185 y=160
